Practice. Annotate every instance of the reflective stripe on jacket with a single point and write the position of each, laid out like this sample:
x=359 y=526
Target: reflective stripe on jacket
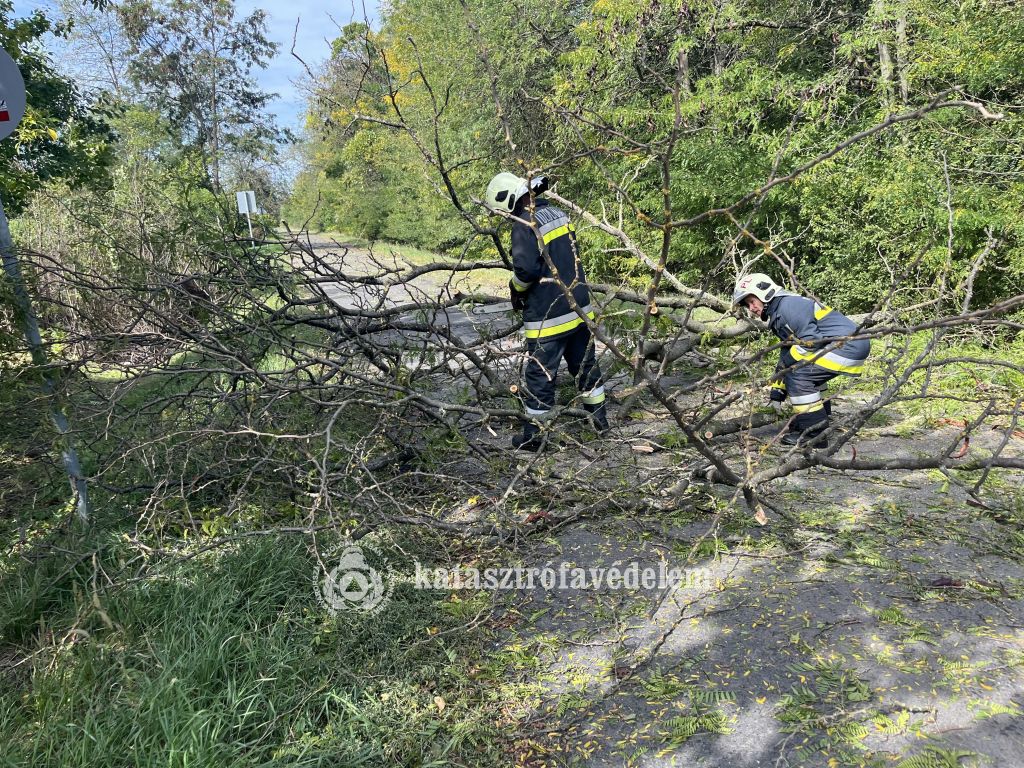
x=547 y=311
x=808 y=328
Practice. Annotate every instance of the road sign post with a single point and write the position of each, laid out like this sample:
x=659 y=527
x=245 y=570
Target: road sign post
x=12 y=109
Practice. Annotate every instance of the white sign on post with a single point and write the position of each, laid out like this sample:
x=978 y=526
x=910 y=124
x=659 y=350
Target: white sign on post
x=246 y=202
x=12 y=95
x=247 y=205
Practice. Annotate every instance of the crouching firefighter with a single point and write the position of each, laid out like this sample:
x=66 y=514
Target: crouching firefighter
x=812 y=355
x=553 y=328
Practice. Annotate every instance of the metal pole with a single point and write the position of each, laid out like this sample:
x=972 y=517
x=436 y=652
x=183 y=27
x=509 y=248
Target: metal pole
x=35 y=344
x=249 y=219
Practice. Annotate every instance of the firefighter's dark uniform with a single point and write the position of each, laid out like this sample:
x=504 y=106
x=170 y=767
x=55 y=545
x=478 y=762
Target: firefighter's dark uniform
x=811 y=356
x=553 y=329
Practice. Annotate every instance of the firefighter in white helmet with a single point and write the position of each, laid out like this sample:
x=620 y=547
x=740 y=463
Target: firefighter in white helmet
x=816 y=349
x=554 y=327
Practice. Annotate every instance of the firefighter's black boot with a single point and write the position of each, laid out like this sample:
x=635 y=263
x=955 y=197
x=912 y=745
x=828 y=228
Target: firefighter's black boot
x=807 y=428
x=530 y=440
x=810 y=437
x=598 y=417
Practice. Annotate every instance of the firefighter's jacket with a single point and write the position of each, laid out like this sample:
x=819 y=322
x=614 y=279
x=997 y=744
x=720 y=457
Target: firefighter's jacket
x=809 y=332
x=548 y=313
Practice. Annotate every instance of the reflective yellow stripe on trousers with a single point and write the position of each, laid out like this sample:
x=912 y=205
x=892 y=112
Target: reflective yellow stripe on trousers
x=806 y=403
x=831 y=361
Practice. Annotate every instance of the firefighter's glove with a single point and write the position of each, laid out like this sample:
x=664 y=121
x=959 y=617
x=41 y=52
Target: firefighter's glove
x=777 y=395
x=518 y=297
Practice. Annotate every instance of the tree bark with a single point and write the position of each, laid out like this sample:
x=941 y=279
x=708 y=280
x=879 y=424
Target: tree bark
x=885 y=65
x=902 y=52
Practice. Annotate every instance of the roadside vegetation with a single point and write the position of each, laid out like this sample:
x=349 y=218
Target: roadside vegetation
x=244 y=407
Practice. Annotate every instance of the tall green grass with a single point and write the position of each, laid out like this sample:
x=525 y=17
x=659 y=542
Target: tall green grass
x=226 y=659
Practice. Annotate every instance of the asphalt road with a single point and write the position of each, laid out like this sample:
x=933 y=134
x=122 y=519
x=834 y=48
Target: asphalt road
x=468 y=323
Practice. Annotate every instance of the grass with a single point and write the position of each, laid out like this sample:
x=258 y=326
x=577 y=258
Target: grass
x=956 y=390
x=112 y=654
x=226 y=659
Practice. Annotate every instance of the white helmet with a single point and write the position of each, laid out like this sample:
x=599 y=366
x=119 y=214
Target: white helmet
x=505 y=189
x=755 y=284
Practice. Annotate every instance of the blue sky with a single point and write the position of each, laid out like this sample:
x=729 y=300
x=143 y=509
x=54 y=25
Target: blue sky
x=318 y=22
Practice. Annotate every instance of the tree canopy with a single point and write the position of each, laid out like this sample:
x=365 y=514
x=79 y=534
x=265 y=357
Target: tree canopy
x=661 y=111
x=62 y=135
x=192 y=61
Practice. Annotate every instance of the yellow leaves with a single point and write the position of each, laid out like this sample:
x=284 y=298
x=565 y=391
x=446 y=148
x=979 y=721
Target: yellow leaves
x=342 y=116
x=618 y=9
x=32 y=128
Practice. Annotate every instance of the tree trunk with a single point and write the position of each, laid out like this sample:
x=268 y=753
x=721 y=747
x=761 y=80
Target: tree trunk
x=214 y=116
x=885 y=68
x=902 y=52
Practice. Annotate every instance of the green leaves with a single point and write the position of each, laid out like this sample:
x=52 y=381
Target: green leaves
x=709 y=101
x=678 y=730
x=60 y=136
x=192 y=60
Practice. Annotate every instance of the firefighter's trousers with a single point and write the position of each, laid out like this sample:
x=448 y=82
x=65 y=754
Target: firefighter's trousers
x=805 y=381
x=543 y=359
